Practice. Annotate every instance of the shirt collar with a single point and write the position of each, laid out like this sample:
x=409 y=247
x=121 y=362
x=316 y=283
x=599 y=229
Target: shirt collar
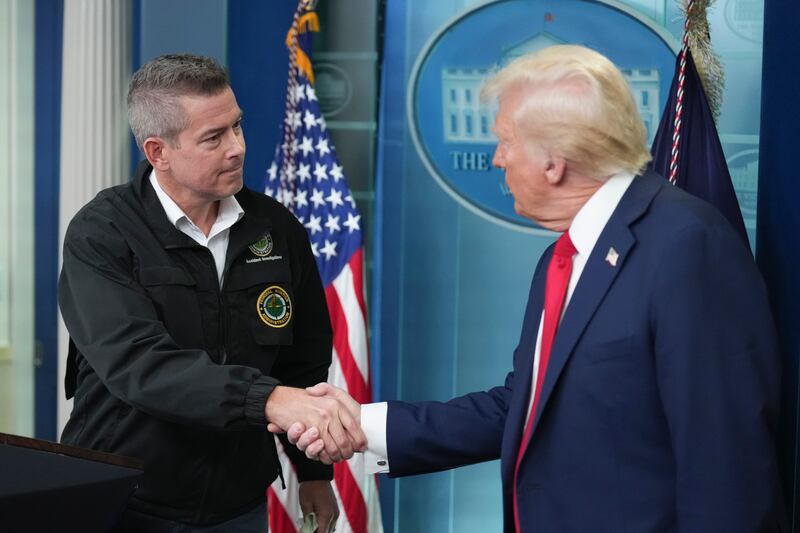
x=230 y=212
x=591 y=219
x=229 y=209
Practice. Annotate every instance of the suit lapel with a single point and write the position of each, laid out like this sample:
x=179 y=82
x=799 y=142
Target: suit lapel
x=523 y=366
x=604 y=265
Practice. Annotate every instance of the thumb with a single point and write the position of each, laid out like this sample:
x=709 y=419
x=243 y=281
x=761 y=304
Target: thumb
x=320 y=389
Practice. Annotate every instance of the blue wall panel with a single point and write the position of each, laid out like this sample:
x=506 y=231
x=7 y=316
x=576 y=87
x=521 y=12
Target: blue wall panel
x=387 y=278
x=258 y=63
x=195 y=26
x=49 y=21
x=777 y=252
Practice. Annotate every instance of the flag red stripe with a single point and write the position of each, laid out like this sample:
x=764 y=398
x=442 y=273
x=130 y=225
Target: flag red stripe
x=356 y=386
x=352 y=499
x=357 y=268
x=279 y=521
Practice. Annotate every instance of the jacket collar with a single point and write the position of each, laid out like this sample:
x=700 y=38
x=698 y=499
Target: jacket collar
x=250 y=228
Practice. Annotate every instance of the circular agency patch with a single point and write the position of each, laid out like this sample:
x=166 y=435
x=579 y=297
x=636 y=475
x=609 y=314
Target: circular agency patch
x=262 y=247
x=274 y=307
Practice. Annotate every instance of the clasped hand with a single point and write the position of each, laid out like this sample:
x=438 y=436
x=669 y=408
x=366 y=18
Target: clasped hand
x=323 y=421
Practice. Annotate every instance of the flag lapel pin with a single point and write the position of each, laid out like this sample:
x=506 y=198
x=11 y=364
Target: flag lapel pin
x=612 y=256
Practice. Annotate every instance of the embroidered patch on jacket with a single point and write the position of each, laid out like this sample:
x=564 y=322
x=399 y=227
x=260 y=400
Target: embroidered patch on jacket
x=274 y=307
x=263 y=246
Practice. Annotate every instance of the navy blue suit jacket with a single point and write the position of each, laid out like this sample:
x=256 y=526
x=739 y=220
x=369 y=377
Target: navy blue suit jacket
x=659 y=408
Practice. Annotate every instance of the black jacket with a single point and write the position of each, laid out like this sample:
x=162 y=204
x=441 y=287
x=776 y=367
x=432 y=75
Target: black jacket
x=167 y=367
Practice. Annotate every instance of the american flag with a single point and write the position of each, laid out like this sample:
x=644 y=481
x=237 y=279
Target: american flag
x=306 y=177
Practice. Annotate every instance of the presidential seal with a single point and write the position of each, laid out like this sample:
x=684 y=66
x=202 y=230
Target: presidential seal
x=263 y=246
x=274 y=307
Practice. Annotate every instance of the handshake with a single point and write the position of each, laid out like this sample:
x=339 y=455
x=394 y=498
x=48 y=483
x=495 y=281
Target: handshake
x=323 y=421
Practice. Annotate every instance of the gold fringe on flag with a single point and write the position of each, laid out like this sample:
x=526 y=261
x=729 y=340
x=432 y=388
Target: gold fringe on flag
x=307 y=22
x=707 y=61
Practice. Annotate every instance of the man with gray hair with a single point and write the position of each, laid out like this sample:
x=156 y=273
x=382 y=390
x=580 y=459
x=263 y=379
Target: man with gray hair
x=196 y=315
x=644 y=390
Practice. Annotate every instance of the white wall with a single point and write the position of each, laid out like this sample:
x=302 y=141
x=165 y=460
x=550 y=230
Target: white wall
x=16 y=216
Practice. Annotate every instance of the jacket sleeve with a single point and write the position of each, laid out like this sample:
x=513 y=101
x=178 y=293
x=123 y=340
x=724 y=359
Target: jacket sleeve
x=114 y=325
x=428 y=437
x=309 y=357
x=718 y=375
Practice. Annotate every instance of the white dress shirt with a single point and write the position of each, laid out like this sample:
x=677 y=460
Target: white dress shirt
x=586 y=228
x=230 y=212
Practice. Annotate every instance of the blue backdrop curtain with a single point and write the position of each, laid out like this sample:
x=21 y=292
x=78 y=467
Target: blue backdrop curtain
x=777 y=250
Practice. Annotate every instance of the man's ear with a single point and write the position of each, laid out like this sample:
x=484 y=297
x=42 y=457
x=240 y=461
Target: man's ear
x=555 y=169
x=154 y=149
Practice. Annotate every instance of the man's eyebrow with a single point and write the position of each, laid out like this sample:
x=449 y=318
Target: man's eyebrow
x=214 y=131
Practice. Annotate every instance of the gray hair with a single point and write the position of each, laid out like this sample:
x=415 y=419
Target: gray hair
x=154 y=109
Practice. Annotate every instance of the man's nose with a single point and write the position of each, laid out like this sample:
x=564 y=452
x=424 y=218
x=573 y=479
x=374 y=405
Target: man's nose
x=236 y=144
x=497 y=158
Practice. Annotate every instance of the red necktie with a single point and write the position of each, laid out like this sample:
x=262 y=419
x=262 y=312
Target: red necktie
x=555 y=292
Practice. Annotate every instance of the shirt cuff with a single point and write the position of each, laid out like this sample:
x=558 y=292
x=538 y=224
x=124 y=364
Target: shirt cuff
x=373 y=423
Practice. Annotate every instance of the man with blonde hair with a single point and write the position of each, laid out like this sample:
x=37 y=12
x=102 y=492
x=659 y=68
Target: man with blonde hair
x=644 y=390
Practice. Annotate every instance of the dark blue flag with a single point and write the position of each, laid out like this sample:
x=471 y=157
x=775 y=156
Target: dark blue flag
x=700 y=167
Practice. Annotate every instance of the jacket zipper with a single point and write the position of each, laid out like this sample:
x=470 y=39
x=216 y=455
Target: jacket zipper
x=223 y=357
x=223 y=315
x=223 y=325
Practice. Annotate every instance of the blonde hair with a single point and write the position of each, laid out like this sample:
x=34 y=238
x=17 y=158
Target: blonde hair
x=579 y=105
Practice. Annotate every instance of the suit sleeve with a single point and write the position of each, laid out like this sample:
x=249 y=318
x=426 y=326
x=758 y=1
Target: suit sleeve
x=309 y=357
x=115 y=326
x=432 y=436
x=718 y=376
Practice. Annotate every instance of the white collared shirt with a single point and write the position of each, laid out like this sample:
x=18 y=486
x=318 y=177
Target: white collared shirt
x=230 y=212
x=586 y=228
x=588 y=224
